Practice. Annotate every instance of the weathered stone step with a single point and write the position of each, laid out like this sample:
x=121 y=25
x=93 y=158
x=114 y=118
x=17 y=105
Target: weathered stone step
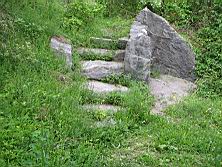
x=106 y=112
x=63 y=48
x=109 y=43
x=168 y=90
x=110 y=122
x=102 y=107
x=88 y=53
x=103 y=88
x=101 y=69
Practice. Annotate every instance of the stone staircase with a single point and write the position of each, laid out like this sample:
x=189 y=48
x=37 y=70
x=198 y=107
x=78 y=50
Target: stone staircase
x=99 y=63
x=106 y=59
x=167 y=90
x=153 y=46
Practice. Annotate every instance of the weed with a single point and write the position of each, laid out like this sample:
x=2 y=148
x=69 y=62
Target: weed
x=124 y=80
x=92 y=57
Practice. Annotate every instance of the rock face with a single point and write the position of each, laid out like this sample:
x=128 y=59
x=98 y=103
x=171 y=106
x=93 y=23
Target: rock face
x=158 y=42
x=138 y=55
x=62 y=47
x=119 y=55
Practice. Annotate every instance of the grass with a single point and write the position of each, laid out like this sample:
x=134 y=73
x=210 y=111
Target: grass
x=124 y=80
x=194 y=140
x=93 y=56
x=101 y=28
x=43 y=124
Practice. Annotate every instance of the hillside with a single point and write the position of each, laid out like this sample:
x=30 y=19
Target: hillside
x=42 y=118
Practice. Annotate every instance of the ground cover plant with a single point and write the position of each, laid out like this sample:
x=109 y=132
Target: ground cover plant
x=41 y=119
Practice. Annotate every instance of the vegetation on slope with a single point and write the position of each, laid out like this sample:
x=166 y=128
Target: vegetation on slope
x=42 y=123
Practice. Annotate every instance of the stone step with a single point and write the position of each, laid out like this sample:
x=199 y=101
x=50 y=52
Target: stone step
x=100 y=69
x=106 y=112
x=103 y=88
x=102 y=107
x=115 y=55
x=106 y=123
x=109 y=43
x=63 y=48
x=168 y=90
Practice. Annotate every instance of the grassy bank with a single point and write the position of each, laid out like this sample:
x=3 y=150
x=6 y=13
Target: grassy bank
x=41 y=119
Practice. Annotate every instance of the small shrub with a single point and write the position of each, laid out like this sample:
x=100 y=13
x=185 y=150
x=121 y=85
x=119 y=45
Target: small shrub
x=177 y=14
x=78 y=14
x=28 y=29
x=209 y=57
x=119 y=7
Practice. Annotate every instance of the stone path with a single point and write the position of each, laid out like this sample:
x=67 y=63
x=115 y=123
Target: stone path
x=152 y=45
x=167 y=90
x=96 y=70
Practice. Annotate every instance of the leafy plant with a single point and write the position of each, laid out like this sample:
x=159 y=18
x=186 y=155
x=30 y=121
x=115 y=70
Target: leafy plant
x=80 y=13
x=29 y=29
x=209 y=57
x=124 y=80
x=138 y=103
x=179 y=14
x=119 y=7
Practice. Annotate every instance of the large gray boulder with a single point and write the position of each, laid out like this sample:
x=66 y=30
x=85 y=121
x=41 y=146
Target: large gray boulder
x=62 y=47
x=163 y=46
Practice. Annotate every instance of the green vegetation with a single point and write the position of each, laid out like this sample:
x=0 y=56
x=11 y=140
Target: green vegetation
x=41 y=119
x=188 y=138
x=80 y=14
x=124 y=80
x=202 y=22
x=93 y=56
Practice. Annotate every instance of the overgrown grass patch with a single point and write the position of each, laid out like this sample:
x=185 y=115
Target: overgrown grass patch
x=194 y=140
x=93 y=56
x=124 y=80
